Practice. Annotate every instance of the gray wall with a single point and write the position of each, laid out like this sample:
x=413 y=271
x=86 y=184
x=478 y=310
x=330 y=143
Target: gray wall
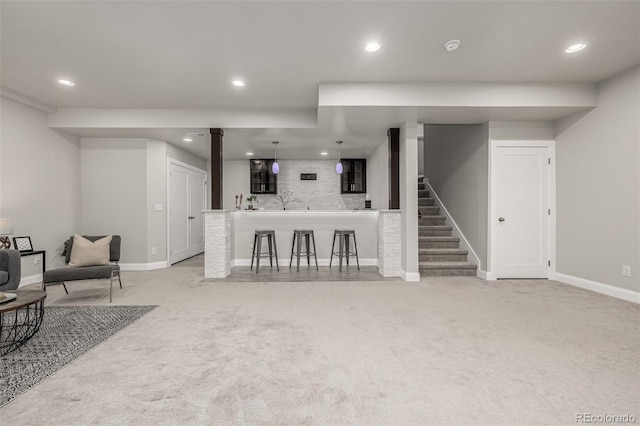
x=456 y=159
x=320 y=194
x=180 y=154
x=598 y=186
x=122 y=181
x=39 y=181
x=156 y=194
x=114 y=188
x=522 y=130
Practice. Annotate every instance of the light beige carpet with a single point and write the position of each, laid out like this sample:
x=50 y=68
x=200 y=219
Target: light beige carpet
x=441 y=351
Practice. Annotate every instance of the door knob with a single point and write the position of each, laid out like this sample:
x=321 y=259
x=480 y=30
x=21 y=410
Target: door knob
x=501 y=219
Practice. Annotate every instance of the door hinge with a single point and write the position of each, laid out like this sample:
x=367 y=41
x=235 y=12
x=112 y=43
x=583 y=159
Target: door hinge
x=549 y=212
x=549 y=263
x=549 y=161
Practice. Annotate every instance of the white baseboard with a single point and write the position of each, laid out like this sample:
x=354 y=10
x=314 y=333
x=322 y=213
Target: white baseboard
x=490 y=276
x=398 y=274
x=31 y=279
x=482 y=274
x=143 y=266
x=609 y=290
x=321 y=262
x=410 y=276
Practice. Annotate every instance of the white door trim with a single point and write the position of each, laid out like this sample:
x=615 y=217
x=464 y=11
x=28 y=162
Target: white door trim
x=206 y=185
x=492 y=229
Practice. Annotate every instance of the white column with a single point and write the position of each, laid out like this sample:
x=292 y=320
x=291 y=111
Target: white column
x=217 y=243
x=389 y=243
x=409 y=199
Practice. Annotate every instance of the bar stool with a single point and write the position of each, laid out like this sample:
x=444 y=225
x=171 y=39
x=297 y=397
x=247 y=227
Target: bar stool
x=344 y=235
x=308 y=235
x=257 y=248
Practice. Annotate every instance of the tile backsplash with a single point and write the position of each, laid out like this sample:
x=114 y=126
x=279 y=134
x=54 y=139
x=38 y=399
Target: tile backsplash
x=320 y=194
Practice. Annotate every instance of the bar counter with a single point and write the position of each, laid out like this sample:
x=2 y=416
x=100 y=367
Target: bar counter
x=323 y=223
x=229 y=236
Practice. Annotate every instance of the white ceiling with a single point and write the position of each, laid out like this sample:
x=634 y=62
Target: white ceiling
x=177 y=54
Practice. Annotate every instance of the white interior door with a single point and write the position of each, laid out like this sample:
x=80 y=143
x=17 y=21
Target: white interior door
x=197 y=188
x=187 y=198
x=522 y=212
x=178 y=213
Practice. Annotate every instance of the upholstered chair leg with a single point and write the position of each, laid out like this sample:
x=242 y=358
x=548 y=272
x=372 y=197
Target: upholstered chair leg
x=119 y=280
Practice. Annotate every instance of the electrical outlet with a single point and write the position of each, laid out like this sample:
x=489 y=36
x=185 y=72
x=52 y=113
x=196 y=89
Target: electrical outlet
x=626 y=270
x=154 y=250
x=37 y=260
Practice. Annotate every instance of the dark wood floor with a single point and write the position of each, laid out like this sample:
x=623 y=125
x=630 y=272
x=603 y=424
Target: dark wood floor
x=286 y=274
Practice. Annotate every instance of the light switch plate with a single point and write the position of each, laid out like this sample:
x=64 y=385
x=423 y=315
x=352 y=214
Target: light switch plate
x=158 y=207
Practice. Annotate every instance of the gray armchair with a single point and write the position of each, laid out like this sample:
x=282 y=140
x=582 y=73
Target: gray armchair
x=10 y=270
x=110 y=272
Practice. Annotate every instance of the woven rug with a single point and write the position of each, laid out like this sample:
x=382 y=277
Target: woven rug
x=66 y=333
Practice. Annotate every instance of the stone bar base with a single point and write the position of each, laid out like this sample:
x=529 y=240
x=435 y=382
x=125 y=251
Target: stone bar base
x=217 y=243
x=389 y=243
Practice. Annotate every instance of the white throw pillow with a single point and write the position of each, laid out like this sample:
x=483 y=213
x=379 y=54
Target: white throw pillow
x=87 y=253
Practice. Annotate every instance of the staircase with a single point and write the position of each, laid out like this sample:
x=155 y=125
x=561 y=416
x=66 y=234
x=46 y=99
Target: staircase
x=439 y=252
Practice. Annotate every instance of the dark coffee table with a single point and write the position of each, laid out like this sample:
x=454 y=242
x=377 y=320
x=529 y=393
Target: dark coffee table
x=20 y=318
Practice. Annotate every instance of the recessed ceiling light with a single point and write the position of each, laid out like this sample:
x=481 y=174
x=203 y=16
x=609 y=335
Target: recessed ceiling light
x=372 y=46
x=575 y=47
x=238 y=83
x=187 y=140
x=452 y=45
x=324 y=153
x=249 y=154
x=68 y=83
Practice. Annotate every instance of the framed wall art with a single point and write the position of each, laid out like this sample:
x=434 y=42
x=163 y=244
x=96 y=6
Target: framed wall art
x=22 y=244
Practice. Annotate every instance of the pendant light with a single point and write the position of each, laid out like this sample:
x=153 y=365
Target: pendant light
x=339 y=163
x=275 y=168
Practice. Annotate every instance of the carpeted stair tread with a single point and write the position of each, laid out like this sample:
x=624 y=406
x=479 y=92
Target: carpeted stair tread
x=438 y=242
x=446 y=265
x=435 y=216
x=434 y=231
x=443 y=251
x=429 y=210
x=436 y=227
x=442 y=254
x=439 y=239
